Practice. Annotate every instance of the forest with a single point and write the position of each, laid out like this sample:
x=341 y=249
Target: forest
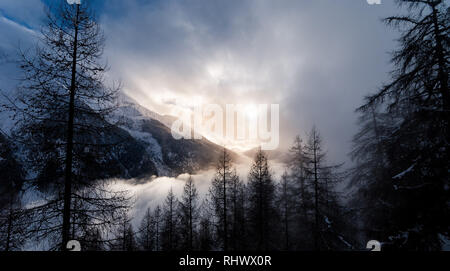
x=67 y=142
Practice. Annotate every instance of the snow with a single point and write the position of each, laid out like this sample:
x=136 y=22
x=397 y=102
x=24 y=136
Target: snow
x=327 y=221
x=133 y=110
x=445 y=242
x=400 y=175
x=131 y=117
x=32 y=198
x=401 y=236
x=345 y=242
x=396 y=187
x=154 y=148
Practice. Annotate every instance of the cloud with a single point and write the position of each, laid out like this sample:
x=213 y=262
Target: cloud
x=152 y=193
x=28 y=13
x=18 y=23
x=18 y=20
x=317 y=59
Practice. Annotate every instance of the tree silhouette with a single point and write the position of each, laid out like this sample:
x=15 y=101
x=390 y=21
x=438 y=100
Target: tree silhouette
x=189 y=214
x=261 y=196
x=414 y=174
x=219 y=197
x=62 y=117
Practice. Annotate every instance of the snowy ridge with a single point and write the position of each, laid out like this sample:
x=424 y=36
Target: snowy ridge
x=170 y=156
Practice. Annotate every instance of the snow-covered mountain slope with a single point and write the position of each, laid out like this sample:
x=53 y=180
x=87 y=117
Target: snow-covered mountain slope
x=170 y=156
x=133 y=111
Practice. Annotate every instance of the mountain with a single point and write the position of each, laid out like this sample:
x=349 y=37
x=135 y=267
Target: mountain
x=171 y=156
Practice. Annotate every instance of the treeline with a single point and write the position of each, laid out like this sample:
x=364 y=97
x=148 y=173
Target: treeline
x=302 y=211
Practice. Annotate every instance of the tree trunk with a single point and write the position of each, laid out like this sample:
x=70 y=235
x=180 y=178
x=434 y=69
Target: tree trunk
x=286 y=222
x=190 y=219
x=225 y=227
x=316 y=197
x=10 y=225
x=69 y=150
x=442 y=73
x=260 y=207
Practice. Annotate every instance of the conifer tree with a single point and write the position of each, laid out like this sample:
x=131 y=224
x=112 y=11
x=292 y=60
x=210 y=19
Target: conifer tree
x=329 y=223
x=413 y=177
x=219 y=195
x=261 y=210
x=170 y=223
x=189 y=214
x=62 y=114
x=158 y=226
x=237 y=198
x=146 y=232
x=286 y=209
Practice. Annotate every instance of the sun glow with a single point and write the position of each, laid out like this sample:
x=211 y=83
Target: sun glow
x=251 y=112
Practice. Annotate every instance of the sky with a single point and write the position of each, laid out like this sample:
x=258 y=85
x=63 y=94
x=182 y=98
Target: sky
x=317 y=59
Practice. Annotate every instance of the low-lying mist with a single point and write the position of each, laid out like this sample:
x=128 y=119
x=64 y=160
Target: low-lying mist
x=152 y=192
